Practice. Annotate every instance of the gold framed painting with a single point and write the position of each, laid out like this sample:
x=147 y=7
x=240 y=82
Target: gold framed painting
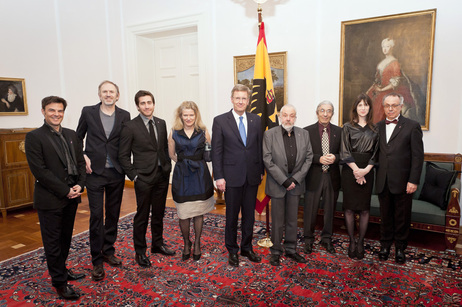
x=13 y=100
x=388 y=54
x=244 y=70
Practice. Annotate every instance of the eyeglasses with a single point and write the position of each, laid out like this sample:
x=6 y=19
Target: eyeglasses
x=391 y=106
x=328 y=111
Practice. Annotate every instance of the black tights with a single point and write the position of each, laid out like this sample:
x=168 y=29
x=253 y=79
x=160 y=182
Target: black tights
x=350 y=224
x=198 y=222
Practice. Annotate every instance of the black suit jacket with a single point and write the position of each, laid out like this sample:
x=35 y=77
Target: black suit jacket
x=135 y=139
x=49 y=167
x=401 y=159
x=232 y=160
x=97 y=145
x=314 y=174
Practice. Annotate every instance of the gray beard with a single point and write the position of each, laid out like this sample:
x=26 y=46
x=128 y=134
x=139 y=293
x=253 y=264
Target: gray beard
x=287 y=128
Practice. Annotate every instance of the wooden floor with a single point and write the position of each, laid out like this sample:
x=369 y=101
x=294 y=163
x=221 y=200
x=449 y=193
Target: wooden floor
x=20 y=230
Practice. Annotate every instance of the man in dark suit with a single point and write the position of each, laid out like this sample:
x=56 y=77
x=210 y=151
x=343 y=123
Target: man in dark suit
x=101 y=125
x=287 y=157
x=145 y=137
x=323 y=179
x=401 y=157
x=56 y=160
x=238 y=170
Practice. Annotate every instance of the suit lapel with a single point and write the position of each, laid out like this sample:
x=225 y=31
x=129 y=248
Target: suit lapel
x=298 y=141
x=59 y=152
x=280 y=143
x=97 y=119
x=398 y=128
x=233 y=126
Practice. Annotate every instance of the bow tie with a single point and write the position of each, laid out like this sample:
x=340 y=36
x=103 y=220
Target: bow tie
x=395 y=121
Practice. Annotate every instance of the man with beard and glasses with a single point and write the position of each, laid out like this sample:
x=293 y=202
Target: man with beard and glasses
x=287 y=157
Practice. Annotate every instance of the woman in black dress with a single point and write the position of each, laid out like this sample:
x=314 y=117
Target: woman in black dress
x=358 y=151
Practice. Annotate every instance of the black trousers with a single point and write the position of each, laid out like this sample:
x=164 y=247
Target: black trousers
x=240 y=199
x=105 y=193
x=150 y=198
x=395 y=211
x=56 y=227
x=312 y=200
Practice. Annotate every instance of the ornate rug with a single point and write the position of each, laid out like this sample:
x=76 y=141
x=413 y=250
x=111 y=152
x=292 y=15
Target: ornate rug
x=428 y=278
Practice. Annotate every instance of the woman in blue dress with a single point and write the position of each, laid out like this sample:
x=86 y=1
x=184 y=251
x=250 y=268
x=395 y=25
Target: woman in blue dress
x=192 y=185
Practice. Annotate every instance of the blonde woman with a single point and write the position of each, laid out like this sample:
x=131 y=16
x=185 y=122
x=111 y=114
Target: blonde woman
x=192 y=186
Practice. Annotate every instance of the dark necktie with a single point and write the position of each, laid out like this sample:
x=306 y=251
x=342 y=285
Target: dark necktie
x=151 y=132
x=395 y=121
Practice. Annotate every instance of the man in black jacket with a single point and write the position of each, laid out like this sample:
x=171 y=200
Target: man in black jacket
x=55 y=159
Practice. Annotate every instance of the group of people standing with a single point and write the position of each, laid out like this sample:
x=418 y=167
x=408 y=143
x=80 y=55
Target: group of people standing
x=297 y=161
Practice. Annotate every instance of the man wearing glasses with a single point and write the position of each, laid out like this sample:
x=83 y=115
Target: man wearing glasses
x=401 y=157
x=323 y=179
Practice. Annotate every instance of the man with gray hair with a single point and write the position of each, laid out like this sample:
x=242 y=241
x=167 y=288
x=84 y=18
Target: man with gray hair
x=323 y=179
x=287 y=157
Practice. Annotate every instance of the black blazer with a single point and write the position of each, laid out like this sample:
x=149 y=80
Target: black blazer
x=135 y=139
x=314 y=174
x=232 y=160
x=97 y=145
x=49 y=167
x=401 y=159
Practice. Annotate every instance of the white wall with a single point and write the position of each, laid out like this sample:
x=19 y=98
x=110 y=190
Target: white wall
x=67 y=47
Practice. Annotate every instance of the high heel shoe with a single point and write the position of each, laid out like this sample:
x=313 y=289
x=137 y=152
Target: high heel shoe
x=197 y=257
x=184 y=256
x=351 y=250
x=360 y=251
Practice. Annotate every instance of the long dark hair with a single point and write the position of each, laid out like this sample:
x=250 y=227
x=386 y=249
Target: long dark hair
x=354 y=117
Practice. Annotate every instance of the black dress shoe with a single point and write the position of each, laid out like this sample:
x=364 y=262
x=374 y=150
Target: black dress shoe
x=185 y=257
x=328 y=246
x=142 y=260
x=71 y=275
x=384 y=253
x=112 y=260
x=352 y=251
x=308 y=248
x=274 y=260
x=296 y=257
x=98 y=272
x=400 y=258
x=162 y=250
x=67 y=293
x=251 y=255
x=233 y=260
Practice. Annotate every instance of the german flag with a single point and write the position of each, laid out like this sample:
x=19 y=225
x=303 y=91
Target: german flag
x=263 y=102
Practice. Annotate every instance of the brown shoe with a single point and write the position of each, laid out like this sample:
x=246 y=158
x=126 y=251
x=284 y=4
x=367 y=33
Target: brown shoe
x=98 y=272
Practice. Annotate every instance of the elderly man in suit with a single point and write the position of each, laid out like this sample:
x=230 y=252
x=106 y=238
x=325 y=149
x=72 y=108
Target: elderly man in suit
x=287 y=157
x=401 y=156
x=238 y=170
x=56 y=160
x=323 y=179
x=100 y=126
x=145 y=137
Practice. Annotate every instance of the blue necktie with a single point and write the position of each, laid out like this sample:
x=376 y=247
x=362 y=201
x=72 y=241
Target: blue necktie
x=242 y=130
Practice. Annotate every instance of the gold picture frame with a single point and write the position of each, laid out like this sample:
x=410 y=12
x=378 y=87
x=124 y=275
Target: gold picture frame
x=386 y=54
x=244 y=68
x=13 y=99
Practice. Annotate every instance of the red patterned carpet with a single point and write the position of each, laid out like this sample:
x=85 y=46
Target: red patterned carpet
x=428 y=278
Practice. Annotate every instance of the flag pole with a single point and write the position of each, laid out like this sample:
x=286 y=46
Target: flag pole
x=265 y=242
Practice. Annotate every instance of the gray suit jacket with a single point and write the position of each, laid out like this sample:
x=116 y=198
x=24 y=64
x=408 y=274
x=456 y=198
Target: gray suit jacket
x=275 y=160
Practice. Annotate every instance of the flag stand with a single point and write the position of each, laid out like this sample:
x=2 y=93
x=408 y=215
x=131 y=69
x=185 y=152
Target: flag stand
x=266 y=242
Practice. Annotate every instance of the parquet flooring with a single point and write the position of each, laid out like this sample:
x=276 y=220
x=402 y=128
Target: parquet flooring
x=20 y=230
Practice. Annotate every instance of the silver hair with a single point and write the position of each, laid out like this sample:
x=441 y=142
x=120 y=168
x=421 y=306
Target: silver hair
x=287 y=106
x=389 y=40
x=401 y=98
x=325 y=102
